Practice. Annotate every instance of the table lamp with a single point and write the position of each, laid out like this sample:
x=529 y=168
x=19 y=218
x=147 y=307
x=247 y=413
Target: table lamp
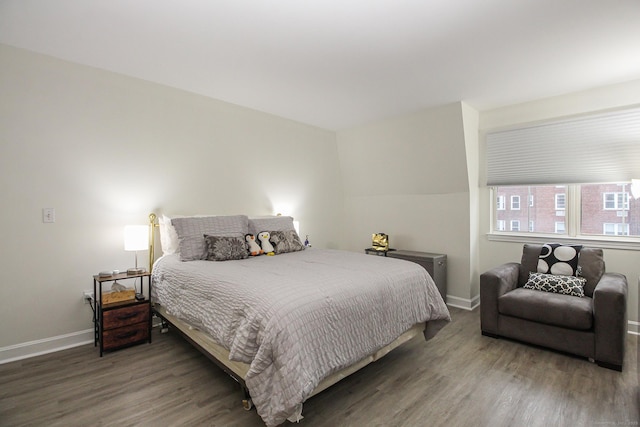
x=136 y=238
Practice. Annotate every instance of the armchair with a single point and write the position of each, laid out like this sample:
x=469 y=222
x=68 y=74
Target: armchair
x=593 y=326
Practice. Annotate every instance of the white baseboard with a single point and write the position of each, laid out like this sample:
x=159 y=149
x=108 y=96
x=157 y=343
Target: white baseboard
x=44 y=346
x=76 y=339
x=463 y=303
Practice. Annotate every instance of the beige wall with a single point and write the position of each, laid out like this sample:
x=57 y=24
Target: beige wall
x=408 y=177
x=600 y=99
x=104 y=150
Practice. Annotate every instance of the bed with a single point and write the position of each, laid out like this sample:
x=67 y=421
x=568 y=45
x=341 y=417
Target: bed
x=289 y=325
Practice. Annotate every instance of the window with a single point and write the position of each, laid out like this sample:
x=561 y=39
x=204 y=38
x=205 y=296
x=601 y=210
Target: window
x=605 y=209
x=515 y=203
x=597 y=154
x=500 y=203
x=611 y=229
x=542 y=213
x=615 y=201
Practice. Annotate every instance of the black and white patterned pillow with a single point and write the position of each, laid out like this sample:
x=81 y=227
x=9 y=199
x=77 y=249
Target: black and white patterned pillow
x=285 y=241
x=556 y=258
x=223 y=248
x=567 y=285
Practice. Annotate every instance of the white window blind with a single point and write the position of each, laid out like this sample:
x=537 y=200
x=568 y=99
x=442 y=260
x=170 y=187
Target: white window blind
x=596 y=148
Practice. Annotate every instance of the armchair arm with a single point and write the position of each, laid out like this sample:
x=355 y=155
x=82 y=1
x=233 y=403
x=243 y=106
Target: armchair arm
x=494 y=283
x=610 y=319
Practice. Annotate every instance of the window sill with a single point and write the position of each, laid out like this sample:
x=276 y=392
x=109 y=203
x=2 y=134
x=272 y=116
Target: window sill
x=632 y=244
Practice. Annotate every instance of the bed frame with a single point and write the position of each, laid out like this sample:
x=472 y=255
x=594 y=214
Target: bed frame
x=237 y=370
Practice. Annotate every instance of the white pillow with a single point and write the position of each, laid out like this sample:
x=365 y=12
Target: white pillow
x=168 y=236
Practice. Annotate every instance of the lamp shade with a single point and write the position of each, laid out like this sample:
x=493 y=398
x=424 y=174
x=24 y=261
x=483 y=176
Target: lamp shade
x=136 y=237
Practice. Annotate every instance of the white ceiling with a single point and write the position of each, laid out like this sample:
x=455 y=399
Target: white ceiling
x=339 y=63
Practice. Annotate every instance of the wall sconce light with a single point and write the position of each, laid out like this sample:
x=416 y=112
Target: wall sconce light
x=635 y=188
x=136 y=238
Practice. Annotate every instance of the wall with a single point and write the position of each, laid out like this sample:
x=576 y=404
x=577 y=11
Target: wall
x=104 y=150
x=600 y=99
x=408 y=177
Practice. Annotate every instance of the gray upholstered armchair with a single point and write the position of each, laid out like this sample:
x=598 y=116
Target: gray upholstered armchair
x=593 y=326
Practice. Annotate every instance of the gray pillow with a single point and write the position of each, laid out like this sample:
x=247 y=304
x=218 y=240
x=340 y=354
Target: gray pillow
x=286 y=241
x=271 y=223
x=224 y=248
x=191 y=231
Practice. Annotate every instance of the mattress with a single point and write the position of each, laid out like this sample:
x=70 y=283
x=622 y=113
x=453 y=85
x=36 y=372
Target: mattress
x=297 y=318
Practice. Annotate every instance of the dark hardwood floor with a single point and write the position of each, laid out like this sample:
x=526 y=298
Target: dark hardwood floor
x=459 y=378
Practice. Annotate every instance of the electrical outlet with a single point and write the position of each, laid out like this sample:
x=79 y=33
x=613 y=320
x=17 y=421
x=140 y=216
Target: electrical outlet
x=87 y=296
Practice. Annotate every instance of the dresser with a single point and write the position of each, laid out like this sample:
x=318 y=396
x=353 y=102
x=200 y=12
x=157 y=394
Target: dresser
x=435 y=264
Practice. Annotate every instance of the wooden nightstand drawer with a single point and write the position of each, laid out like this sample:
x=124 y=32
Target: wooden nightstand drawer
x=124 y=316
x=119 y=337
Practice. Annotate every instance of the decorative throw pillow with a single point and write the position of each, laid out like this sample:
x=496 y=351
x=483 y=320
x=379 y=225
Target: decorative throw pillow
x=567 y=285
x=223 y=248
x=286 y=241
x=556 y=258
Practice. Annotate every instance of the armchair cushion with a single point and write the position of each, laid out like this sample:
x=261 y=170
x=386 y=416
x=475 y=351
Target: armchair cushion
x=544 y=307
x=590 y=265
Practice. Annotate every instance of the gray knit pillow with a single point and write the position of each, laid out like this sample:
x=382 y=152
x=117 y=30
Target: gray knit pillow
x=191 y=231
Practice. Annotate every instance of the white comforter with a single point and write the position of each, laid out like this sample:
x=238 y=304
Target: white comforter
x=298 y=317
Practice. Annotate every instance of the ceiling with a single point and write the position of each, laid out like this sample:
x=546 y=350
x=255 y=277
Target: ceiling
x=339 y=63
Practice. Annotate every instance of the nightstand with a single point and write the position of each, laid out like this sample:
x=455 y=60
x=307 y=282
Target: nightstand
x=123 y=323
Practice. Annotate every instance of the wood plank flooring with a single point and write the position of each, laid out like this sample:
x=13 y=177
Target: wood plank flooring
x=459 y=378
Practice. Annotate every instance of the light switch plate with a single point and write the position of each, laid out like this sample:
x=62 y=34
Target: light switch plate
x=48 y=215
